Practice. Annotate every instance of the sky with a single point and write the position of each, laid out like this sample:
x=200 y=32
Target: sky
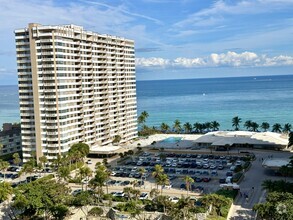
x=174 y=39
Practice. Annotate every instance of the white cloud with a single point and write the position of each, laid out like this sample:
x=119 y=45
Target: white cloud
x=152 y=62
x=230 y=59
x=214 y=15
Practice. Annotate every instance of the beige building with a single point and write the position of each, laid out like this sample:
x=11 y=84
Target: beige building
x=74 y=86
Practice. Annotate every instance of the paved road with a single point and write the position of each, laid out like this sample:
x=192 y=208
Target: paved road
x=242 y=207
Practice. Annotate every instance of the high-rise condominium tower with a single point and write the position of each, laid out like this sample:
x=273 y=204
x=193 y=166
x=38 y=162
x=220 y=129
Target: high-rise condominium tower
x=74 y=86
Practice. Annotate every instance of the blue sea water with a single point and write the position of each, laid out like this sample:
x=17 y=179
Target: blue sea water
x=261 y=98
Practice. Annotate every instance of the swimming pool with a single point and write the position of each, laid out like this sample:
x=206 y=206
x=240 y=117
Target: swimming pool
x=172 y=140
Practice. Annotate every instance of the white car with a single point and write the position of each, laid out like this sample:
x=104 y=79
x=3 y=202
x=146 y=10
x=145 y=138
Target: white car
x=174 y=199
x=169 y=186
x=89 y=162
x=119 y=194
x=143 y=196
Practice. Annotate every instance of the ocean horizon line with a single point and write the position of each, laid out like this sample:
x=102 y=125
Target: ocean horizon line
x=222 y=77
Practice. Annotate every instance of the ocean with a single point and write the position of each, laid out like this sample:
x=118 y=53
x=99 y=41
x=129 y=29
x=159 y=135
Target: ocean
x=260 y=98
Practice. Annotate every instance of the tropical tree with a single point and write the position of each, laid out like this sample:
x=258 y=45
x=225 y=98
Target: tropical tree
x=79 y=150
x=187 y=127
x=27 y=168
x=287 y=128
x=164 y=127
x=100 y=179
x=3 y=166
x=16 y=159
x=84 y=173
x=142 y=118
x=277 y=128
x=158 y=170
x=177 y=126
x=254 y=126
x=154 y=193
x=236 y=122
x=248 y=124
x=198 y=127
x=142 y=171
x=43 y=198
x=208 y=125
x=5 y=191
x=127 y=191
x=265 y=126
x=117 y=139
x=43 y=160
x=215 y=125
x=188 y=181
x=63 y=173
x=162 y=180
x=218 y=202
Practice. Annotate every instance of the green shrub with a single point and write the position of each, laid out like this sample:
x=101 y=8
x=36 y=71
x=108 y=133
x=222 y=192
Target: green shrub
x=96 y=211
x=238 y=168
x=237 y=177
x=246 y=165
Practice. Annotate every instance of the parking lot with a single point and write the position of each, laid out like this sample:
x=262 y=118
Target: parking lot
x=207 y=170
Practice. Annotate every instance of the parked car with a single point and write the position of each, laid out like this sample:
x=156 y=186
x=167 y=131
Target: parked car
x=174 y=199
x=143 y=196
x=76 y=192
x=169 y=186
x=119 y=194
x=206 y=179
x=89 y=162
x=222 y=180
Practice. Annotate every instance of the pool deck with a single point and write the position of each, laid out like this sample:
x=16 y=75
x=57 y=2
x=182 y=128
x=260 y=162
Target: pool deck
x=187 y=141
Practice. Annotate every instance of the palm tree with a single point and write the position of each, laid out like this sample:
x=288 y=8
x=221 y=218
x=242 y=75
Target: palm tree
x=164 y=127
x=3 y=166
x=16 y=159
x=142 y=171
x=198 y=127
x=248 y=124
x=277 y=128
x=154 y=193
x=177 y=126
x=215 y=125
x=162 y=180
x=100 y=178
x=43 y=160
x=159 y=170
x=265 y=126
x=287 y=128
x=142 y=118
x=27 y=168
x=187 y=127
x=236 y=122
x=188 y=181
x=84 y=172
x=207 y=125
x=254 y=126
x=127 y=191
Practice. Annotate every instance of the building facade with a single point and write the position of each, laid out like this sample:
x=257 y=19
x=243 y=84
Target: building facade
x=10 y=139
x=74 y=86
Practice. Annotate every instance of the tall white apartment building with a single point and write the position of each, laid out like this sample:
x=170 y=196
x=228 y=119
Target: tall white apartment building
x=74 y=86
